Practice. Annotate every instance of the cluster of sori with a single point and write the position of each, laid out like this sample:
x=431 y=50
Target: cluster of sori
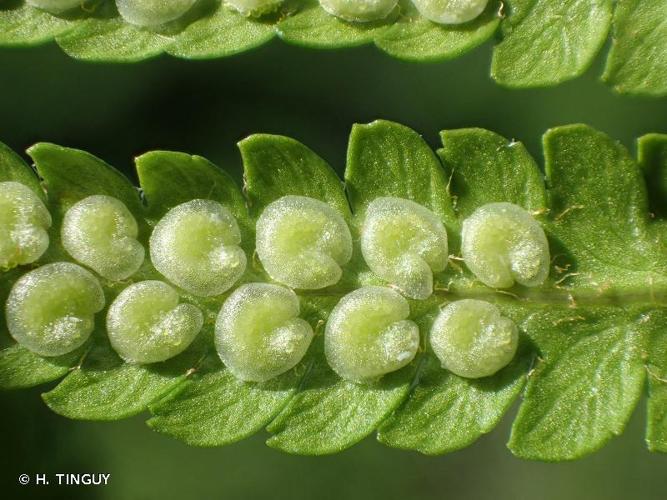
x=138 y=12
x=303 y=244
x=437 y=11
x=160 y=12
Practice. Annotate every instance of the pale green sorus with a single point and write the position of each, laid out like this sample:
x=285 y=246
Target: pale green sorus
x=502 y=244
x=24 y=222
x=153 y=12
x=360 y=11
x=404 y=243
x=101 y=233
x=195 y=246
x=450 y=11
x=51 y=310
x=259 y=334
x=147 y=323
x=368 y=334
x=56 y=6
x=472 y=339
x=254 y=8
x=303 y=242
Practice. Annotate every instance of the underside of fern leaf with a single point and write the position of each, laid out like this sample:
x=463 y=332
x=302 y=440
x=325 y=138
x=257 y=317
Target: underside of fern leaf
x=540 y=42
x=591 y=338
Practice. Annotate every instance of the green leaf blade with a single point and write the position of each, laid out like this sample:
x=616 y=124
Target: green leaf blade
x=277 y=166
x=446 y=413
x=588 y=380
x=388 y=159
x=599 y=211
x=220 y=33
x=214 y=408
x=414 y=38
x=13 y=168
x=105 y=36
x=168 y=179
x=23 y=25
x=106 y=388
x=637 y=62
x=71 y=175
x=312 y=26
x=217 y=409
x=329 y=414
x=550 y=42
x=21 y=369
x=487 y=168
x=656 y=418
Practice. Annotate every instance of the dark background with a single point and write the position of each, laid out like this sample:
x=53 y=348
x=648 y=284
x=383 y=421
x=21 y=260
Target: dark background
x=118 y=112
